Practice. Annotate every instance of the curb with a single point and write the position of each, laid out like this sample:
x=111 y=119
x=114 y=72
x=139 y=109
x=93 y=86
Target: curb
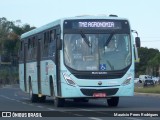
x=148 y=94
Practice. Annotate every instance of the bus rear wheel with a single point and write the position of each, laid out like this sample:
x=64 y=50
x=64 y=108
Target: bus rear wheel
x=33 y=97
x=42 y=99
x=59 y=102
x=113 y=101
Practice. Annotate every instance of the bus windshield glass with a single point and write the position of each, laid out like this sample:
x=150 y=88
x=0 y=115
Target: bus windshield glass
x=97 y=52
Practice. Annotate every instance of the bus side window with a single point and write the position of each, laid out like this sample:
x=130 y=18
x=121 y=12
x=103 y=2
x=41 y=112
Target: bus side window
x=33 y=42
x=46 y=42
x=31 y=48
x=51 y=42
x=21 y=51
x=29 y=43
x=28 y=51
x=48 y=37
x=51 y=36
x=44 y=45
x=45 y=37
x=34 y=47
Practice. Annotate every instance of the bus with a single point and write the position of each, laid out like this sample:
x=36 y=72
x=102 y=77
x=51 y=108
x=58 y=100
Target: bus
x=79 y=58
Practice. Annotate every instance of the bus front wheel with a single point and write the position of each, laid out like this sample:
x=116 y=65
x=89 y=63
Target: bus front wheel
x=113 y=101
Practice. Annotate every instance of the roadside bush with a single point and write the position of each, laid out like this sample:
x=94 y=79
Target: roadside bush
x=8 y=75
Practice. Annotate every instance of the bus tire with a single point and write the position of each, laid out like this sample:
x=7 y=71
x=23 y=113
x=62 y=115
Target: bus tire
x=33 y=97
x=51 y=87
x=59 y=102
x=113 y=101
x=42 y=99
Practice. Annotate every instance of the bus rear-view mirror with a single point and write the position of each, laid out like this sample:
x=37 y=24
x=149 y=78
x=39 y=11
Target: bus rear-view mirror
x=138 y=43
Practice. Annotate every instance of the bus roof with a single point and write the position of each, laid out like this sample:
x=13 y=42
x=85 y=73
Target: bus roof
x=59 y=21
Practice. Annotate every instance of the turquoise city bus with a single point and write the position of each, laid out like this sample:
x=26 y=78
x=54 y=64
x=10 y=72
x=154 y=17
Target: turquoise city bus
x=79 y=58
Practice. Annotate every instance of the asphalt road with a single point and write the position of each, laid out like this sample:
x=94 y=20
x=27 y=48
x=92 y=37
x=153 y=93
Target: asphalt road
x=13 y=99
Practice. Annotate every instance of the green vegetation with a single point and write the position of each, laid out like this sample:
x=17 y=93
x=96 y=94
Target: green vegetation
x=155 y=89
x=8 y=75
x=10 y=32
x=149 y=62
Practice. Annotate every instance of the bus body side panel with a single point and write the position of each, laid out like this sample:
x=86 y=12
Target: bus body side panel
x=32 y=75
x=21 y=76
x=48 y=71
x=49 y=67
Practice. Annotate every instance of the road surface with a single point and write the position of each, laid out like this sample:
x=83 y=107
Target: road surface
x=13 y=99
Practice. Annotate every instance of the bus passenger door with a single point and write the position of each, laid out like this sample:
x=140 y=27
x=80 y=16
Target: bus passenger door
x=39 y=65
x=25 y=72
x=58 y=78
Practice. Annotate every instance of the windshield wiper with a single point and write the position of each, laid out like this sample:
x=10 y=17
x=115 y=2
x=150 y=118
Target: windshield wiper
x=85 y=39
x=109 y=39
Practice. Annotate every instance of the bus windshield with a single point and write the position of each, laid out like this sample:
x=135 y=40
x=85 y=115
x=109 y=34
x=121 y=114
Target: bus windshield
x=101 y=52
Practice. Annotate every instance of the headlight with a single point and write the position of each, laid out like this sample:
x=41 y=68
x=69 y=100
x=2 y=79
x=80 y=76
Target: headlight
x=127 y=81
x=68 y=79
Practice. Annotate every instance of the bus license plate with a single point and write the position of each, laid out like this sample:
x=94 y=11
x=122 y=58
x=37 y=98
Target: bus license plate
x=99 y=95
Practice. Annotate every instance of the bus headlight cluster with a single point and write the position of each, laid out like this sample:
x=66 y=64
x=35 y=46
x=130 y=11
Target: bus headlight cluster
x=127 y=81
x=68 y=79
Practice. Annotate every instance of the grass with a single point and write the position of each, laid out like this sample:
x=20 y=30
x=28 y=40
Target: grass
x=155 y=89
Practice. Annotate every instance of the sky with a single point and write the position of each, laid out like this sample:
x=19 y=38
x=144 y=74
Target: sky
x=143 y=15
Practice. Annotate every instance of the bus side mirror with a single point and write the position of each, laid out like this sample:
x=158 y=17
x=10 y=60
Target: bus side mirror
x=59 y=44
x=138 y=42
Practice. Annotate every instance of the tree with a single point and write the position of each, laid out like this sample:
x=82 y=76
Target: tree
x=10 y=33
x=5 y=29
x=154 y=64
x=17 y=32
x=147 y=59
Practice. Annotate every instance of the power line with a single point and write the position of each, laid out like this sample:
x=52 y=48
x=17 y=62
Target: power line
x=151 y=41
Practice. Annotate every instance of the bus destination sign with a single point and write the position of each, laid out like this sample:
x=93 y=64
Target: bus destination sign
x=93 y=24
x=96 y=24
